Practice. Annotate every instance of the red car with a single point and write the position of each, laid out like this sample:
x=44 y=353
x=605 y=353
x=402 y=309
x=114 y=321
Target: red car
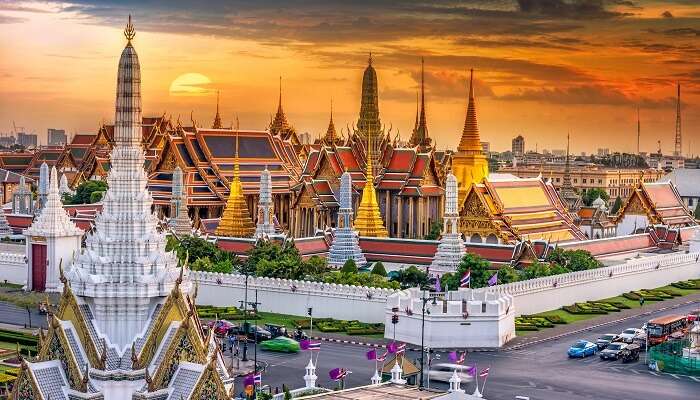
x=693 y=316
x=222 y=327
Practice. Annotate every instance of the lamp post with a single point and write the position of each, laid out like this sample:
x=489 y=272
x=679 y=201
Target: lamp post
x=245 y=319
x=424 y=300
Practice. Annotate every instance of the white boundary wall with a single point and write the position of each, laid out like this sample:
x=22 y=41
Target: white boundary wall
x=13 y=268
x=552 y=292
x=368 y=304
x=286 y=296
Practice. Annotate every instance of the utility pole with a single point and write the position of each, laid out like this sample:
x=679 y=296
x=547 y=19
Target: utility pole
x=678 y=149
x=639 y=131
x=245 y=319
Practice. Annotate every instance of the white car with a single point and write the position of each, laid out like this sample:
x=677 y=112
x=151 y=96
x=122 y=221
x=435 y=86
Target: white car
x=627 y=336
x=443 y=372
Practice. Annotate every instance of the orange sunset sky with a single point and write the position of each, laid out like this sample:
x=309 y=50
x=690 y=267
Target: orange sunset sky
x=543 y=67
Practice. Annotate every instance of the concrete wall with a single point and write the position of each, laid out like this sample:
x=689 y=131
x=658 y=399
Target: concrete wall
x=294 y=297
x=13 y=268
x=552 y=292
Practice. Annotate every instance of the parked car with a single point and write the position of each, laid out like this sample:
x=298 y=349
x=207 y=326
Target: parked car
x=282 y=344
x=605 y=340
x=277 y=330
x=627 y=336
x=613 y=351
x=582 y=348
x=250 y=332
x=223 y=327
x=443 y=372
x=693 y=316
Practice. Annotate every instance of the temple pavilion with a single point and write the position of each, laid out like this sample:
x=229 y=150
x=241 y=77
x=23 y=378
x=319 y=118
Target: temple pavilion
x=126 y=326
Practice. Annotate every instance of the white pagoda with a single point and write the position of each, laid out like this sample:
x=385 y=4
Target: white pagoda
x=451 y=247
x=346 y=241
x=265 y=226
x=52 y=240
x=126 y=327
x=180 y=223
x=43 y=187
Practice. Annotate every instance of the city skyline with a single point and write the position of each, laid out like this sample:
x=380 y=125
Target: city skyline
x=581 y=66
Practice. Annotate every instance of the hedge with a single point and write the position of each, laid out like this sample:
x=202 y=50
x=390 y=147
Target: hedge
x=18 y=337
x=555 y=319
x=687 y=285
x=526 y=327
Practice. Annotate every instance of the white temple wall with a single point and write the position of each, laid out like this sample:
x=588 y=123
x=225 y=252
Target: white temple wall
x=552 y=292
x=367 y=304
x=13 y=268
x=294 y=297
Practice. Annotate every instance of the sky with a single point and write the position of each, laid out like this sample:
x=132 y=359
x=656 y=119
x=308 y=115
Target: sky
x=542 y=67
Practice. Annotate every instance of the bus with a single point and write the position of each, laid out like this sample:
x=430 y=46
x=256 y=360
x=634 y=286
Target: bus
x=659 y=329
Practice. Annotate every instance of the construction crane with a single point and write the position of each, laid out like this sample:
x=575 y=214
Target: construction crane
x=14 y=127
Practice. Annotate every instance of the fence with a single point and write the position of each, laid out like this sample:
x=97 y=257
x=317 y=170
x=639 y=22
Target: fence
x=669 y=358
x=551 y=292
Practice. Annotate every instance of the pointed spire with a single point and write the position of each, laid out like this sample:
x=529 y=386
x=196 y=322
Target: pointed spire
x=129 y=31
x=420 y=133
x=279 y=124
x=331 y=136
x=217 y=119
x=369 y=220
x=470 y=134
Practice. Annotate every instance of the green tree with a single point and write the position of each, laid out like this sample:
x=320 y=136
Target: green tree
x=435 y=231
x=411 y=277
x=480 y=272
x=314 y=267
x=287 y=394
x=590 y=195
x=572 y=260
x=84 y=193
x=616 y=206
x=536 y=270
x=349 y=267
x=508 y=274
x=378 y=269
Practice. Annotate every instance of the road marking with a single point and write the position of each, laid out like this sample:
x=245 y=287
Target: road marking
x=635 y=371
x=653 y=373
x=696 y=379
x=675 y=376
x=531 y=383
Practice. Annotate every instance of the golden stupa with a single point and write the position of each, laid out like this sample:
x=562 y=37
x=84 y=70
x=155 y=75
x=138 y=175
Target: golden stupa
x=469 y=164
x=368 y=221
x=236 y=221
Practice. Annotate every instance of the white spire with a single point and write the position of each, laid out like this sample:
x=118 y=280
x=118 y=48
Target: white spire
x=124 y=269
x=346 y=241
x=53 y=220
x=265 y=225
x=451 y=247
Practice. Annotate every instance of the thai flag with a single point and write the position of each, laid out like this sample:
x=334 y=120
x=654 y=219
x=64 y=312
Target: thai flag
x=314 y=346
x=484 y=373
x=461 y=358
x=382 y=357
x=337 y=374
x=257 y=379
x=401 y=348
x=466 y=279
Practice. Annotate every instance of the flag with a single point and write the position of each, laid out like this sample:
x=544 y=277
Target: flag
x=493 y=280
x=314 y=346
x=438 y=288
x=401 y=348
x=372 y=355
x=391 y=348
x=484 y=373
x=257 y=379
x=304 y=344
x=337 y=374
x=382 y=357
x=471 y=371
x=466 y=278
x=252 y=379
x=457 y=358
x=452 y=356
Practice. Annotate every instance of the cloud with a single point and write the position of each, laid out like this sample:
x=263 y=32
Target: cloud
x=7 y=19
x=690 y=32
x=583 y=95
x=572 y=9
x=667 y=14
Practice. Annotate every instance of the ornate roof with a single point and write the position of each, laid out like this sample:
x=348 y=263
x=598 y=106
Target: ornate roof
x=516 y=210
x=53 y=220
x=660 y=202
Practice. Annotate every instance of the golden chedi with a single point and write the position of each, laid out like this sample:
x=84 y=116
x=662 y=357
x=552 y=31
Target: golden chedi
x=469 y=164
x=236 y=221
x=368 y=221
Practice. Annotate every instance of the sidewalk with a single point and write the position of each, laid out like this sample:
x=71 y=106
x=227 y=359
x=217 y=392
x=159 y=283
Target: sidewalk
x=607 y=319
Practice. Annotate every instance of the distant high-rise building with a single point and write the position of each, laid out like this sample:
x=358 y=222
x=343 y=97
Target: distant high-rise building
x=518 y=146
x=7 y=141
x=603 y=152
x=486 y=147
x=26 y=139
x=57 y=137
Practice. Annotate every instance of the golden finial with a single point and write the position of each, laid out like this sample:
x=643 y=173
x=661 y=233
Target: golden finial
x=129 y=31
x=370 y=58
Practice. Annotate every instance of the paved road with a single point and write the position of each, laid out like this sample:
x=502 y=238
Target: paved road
x=541 y=371
x=11 y=314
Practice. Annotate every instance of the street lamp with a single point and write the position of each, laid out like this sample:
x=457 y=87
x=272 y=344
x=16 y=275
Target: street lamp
x=245 y=319
x=424 y=300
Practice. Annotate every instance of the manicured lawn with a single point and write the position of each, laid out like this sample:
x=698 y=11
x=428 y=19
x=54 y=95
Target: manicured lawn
x=566 y=316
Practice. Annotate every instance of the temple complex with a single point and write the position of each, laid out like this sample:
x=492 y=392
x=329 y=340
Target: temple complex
x=451 y=249
x=469 y=164
x=235 y=220
x=369 y=130
x=571 y=199
x=126 y=327
x=346 y=243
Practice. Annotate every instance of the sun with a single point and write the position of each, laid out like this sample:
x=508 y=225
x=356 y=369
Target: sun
x=190 y=84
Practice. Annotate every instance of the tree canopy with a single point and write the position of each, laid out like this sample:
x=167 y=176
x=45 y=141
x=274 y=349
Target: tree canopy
x=590 y=195
x=411 y=277
x=435 y=231
x=616 y=206
x=87 y=193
